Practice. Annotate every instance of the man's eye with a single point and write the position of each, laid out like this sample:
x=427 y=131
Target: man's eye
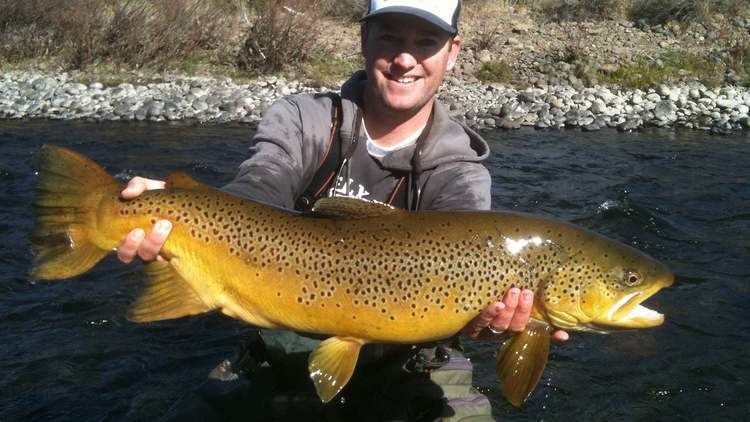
x=427 y=43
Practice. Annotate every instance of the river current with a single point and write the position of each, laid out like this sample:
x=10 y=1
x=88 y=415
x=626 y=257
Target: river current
x=68 y=353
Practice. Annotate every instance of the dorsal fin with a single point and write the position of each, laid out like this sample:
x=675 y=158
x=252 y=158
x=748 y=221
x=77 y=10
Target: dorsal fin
x=180 y=180
x=352 y=208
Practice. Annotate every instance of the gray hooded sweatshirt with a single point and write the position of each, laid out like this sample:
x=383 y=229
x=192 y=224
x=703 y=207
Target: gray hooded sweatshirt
x=293 y=138
x=286 y=152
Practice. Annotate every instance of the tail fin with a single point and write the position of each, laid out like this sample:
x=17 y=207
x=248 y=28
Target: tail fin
x=68 y=189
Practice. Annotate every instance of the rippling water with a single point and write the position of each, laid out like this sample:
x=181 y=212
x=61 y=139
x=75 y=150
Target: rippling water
x=67 y=352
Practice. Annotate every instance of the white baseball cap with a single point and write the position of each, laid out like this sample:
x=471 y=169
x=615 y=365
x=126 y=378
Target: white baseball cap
x=442 y=13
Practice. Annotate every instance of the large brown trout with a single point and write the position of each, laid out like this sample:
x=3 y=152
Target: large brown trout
x=357 y=271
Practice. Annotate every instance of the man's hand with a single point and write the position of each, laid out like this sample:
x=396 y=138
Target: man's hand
x=512 y=314
x=137 y=243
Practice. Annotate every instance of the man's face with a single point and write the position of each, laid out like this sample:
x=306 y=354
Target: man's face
x=406 y=59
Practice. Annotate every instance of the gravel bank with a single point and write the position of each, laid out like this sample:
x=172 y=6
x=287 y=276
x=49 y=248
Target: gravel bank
x=55 y=96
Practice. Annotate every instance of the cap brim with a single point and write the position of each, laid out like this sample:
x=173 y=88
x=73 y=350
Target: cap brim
x=405 y=10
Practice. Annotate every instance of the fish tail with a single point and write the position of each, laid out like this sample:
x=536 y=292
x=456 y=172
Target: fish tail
x=68 y=191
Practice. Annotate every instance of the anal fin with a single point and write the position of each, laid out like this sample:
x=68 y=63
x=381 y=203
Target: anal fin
x=331 y=365
x=521 y=361
x=166 y=296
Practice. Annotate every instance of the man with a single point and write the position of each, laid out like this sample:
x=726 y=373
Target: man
x=392 y=143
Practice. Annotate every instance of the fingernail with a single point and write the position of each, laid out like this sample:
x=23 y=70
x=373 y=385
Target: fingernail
x=499 y=307
x=514 y=292
x=163 y=226
x=138 y=234
x=528 y=296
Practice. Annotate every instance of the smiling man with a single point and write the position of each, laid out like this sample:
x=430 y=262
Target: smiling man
x=386 y=139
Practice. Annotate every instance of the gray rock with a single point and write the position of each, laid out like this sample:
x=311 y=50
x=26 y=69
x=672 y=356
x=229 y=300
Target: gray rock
x=628 y=126
x=726 y=103
x=508 y=109
x=653 y=97
x=44 y=84
x=526 y=97
x=141 y=113
x=509 y=124
x=664 y=110
x=484 y=56
x=155 y=108
x=123 y=109
x=591 y=127
x=200 y=106
x=598 y=107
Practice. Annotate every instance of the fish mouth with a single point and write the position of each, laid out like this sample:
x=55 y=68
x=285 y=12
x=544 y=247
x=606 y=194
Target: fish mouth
x=628 y=312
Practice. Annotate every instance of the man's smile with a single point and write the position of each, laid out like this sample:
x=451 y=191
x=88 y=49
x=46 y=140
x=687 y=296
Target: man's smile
x=403 y=80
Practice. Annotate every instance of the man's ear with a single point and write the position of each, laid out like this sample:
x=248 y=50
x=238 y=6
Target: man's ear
x=455 y=47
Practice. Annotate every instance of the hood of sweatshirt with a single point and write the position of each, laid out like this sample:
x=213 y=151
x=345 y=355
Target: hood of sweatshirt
x=448 y=140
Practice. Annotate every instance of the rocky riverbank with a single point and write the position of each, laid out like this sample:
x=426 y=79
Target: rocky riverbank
x=31 y=94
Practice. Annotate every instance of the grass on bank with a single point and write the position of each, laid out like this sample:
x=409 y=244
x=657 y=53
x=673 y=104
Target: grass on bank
x=245 y=38
x=494 y=72
x=673 y=66
x=651 y=11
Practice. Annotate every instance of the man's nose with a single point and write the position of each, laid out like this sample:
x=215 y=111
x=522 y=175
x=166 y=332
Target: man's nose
x=405 y=60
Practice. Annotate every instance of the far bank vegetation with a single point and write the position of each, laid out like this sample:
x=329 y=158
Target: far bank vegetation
x=300 y=38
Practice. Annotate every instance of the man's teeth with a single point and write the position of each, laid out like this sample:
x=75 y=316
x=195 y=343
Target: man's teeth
x=406 y=80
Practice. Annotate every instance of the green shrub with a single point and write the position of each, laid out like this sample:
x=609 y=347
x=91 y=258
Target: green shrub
x=560 y=10
x=674 y=66
x=280 y=36
x=662 y=11
x=494 y=72
x=133 y=32
x=739 y=60
x=351 y=10
x=324 y=69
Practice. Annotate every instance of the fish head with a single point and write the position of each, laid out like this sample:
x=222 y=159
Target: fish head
x=602 y=287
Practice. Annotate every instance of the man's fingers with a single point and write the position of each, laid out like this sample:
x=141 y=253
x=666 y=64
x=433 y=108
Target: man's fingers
x=502 y=321
x=151 y=245
x=560 y=336
x=138 y=185
x=482 y=321
x=523 y=311
x=127 y=251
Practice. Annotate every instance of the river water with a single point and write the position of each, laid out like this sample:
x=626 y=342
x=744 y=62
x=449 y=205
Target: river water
x=68 y=353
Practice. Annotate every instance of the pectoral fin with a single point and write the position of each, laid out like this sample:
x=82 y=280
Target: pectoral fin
x=331 y=365
x=167 y=296
x=521 y=361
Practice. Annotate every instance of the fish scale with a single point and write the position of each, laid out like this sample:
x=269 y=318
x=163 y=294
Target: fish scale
x=359 y=272
x=343 y=265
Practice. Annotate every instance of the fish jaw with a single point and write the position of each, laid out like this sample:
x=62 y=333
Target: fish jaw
x=628 y=312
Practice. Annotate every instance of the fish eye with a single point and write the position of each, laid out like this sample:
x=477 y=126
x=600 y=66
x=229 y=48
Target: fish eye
x=632 y=278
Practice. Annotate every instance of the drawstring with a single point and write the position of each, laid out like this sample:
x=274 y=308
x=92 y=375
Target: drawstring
x=348 y=155
x=414 y=192
x=414 y=187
